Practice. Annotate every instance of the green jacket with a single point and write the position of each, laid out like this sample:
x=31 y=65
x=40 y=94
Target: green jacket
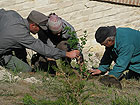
x=125 y=52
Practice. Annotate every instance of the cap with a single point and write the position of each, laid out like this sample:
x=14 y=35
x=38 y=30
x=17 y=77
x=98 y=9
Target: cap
x=55 y=23
x=38 y=18
x=103 y=32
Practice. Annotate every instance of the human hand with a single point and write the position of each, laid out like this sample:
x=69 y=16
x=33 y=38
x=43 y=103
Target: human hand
x=73 y=54
x=50 y=59
x=95 y=71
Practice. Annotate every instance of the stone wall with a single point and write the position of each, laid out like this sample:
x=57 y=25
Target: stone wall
x=125 y=2
x=82 y=14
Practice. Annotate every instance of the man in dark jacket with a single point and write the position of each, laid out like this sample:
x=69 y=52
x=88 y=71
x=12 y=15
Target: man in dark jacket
x=57 y=35
x=15 y=34
x=123 y=47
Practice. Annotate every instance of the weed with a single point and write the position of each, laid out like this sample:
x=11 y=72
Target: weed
x=73 y=40
x=28 y=100
x=124 y=101
x=74 y=44
x=8 y=94
x=73 y=91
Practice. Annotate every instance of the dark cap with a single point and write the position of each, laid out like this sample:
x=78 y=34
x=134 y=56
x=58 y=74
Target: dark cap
x=38 y=18
x=103 y=32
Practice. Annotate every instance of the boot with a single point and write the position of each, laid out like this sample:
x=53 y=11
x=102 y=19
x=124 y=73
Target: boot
x=110 y=80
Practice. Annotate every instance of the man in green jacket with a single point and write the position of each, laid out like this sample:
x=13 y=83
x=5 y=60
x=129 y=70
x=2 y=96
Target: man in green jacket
x=122 y=47
x=15 y=34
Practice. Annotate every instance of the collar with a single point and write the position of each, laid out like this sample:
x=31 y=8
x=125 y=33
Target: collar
x=26 y=23
x=115 y=45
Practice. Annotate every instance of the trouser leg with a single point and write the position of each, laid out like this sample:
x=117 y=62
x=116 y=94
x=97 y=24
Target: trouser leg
x=51 y=67
x=132 y=75
x=21 y=54
x=41 y=63
x=63 y=45
x=18 y=65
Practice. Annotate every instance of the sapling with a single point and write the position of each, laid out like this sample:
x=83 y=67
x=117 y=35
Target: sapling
x=74 y=44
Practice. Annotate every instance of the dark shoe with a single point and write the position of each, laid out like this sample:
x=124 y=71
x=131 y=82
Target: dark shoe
x=132 y=75
x=110 y=80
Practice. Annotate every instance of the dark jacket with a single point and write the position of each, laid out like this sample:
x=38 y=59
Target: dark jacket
x=52 y=40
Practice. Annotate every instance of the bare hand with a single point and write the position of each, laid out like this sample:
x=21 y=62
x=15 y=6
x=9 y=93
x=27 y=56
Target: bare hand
x=73 y=54
x=50 y=59
x=94 y=71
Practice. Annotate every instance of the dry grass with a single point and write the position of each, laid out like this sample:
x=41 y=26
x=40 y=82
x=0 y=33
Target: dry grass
x=53 y=88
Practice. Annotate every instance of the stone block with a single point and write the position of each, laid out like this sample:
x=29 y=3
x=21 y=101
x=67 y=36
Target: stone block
x=65 y=3
x=78 y=7
x=79 y=1
x=39 y=3
x=6 y=3
x=22 y=6
x=68 y=10
x=91 y=4
x=95 y=16
x=59 y=12
x=87 y=11
x=67 y=16
x=47 y=8
x=20 y=1
x=55 y=1
x=74 y=8
x=76 y=14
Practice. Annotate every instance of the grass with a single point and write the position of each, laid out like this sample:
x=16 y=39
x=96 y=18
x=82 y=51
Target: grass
x=124 y=101
x=54 y=91
x=98 y=95
x=67 y=89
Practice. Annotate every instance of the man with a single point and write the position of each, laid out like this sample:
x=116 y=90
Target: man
x=123 y=47
x=15 y=34
x=56 y=35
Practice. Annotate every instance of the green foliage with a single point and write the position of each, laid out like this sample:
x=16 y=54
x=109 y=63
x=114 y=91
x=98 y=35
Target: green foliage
x=83 y=40
x=73 y=92
x=73 y=40
x=59 y=101
x=28 y=100
x=124 y=101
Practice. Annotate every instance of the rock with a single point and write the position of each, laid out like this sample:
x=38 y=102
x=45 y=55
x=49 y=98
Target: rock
x=5 y=76
x=32 y=80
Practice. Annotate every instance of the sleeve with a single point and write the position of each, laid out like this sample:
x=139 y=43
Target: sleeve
x=124 y=57
x=37 y=45
x=106 y=60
